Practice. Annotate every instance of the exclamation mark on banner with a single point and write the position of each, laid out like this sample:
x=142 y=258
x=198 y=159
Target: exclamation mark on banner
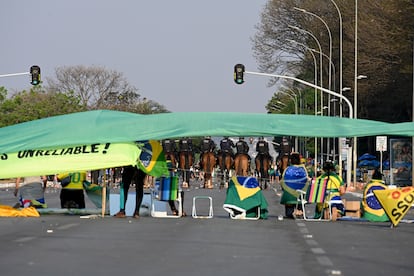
x=106 y=147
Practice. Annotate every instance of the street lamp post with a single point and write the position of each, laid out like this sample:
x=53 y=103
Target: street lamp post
x=294 y=97
x=316 y=91
x=330 y=39
x=308 y=84
x=311 y=85
x=330 y=58
x=355 y=90
x=321 y=82
x=334 y=73
x=340 y=51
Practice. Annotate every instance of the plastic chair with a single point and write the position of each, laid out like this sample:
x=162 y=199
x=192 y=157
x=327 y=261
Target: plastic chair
x=316 y=194
x=210 y=208
x=166 y=188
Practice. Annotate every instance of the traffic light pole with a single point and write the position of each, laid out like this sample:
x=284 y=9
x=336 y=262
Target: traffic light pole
x=351 y=111
x=14 y=74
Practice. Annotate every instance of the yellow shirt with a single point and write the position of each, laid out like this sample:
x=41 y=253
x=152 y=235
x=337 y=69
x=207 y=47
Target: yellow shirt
x=76 y=180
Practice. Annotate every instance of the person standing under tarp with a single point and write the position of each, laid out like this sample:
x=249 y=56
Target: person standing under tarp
x=335 y=188
x=131 y=174
x=72 y=195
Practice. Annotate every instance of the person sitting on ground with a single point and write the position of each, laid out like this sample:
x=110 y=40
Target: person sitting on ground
x=335 y=188
x=71 y=194
x=370 y=207
x=32 y=192
x=295 y=177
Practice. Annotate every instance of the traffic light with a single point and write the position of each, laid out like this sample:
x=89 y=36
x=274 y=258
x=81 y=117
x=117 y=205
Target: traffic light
x=239 y=73
x=35 y=72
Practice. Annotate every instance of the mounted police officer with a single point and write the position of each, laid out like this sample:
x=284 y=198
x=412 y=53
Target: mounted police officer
x=185 y=145
x=262 y=148
x=169 y=147
x=207 y=145
x=227 y=146
x=242 y=147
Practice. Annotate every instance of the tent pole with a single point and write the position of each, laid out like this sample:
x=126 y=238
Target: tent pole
x=103 y=194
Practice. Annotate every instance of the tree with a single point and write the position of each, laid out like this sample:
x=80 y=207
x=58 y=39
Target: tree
x=385 y=37
x=3 y=93
x=99 y=88
x=36 y=104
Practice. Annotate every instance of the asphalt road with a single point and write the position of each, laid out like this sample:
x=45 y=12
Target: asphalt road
x=71 y=245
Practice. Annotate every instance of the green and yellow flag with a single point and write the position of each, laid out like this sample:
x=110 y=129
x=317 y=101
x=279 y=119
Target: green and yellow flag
x=152 y=158
x=47 y=161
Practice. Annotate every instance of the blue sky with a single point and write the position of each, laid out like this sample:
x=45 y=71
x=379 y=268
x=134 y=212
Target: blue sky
x=179 y=53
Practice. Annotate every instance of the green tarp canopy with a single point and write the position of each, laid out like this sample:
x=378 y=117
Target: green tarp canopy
x=103 y=138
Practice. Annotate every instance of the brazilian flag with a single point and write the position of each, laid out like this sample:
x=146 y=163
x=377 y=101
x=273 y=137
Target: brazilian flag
x=244 y=198
x=371 y=208
x=152 y=158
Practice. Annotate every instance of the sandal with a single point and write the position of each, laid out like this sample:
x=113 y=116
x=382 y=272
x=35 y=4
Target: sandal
x=136 y=216
x=175 y=212
x=120 y=214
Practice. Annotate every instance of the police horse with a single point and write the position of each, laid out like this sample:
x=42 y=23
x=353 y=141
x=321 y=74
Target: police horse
x=242 y=164
x=185 y=163
x=283 y=162
x=284 y=155
x=262 y=162
x=208 y=162
x=225 y=162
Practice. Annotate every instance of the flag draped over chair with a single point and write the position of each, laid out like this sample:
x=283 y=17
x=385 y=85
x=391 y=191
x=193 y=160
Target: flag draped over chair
x=244 y=197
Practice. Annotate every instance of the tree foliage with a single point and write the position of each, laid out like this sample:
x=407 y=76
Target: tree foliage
x=75 y=89
x=385 y=49
x=36 y=104
x=99 y=88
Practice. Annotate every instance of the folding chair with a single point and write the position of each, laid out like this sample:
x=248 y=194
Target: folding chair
x=243 y=214
x=244 y=199
x=166 y=188
x=316 y=195
x=210 y=207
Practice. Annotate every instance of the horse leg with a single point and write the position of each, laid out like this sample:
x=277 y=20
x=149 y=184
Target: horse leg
x=222 y=168
x=207 y=183
x=261 y=172
x=186 y=172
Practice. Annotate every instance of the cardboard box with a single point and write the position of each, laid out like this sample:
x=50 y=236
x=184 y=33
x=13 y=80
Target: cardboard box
x=354 y=214
x=352 y=208
x=351 y=205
